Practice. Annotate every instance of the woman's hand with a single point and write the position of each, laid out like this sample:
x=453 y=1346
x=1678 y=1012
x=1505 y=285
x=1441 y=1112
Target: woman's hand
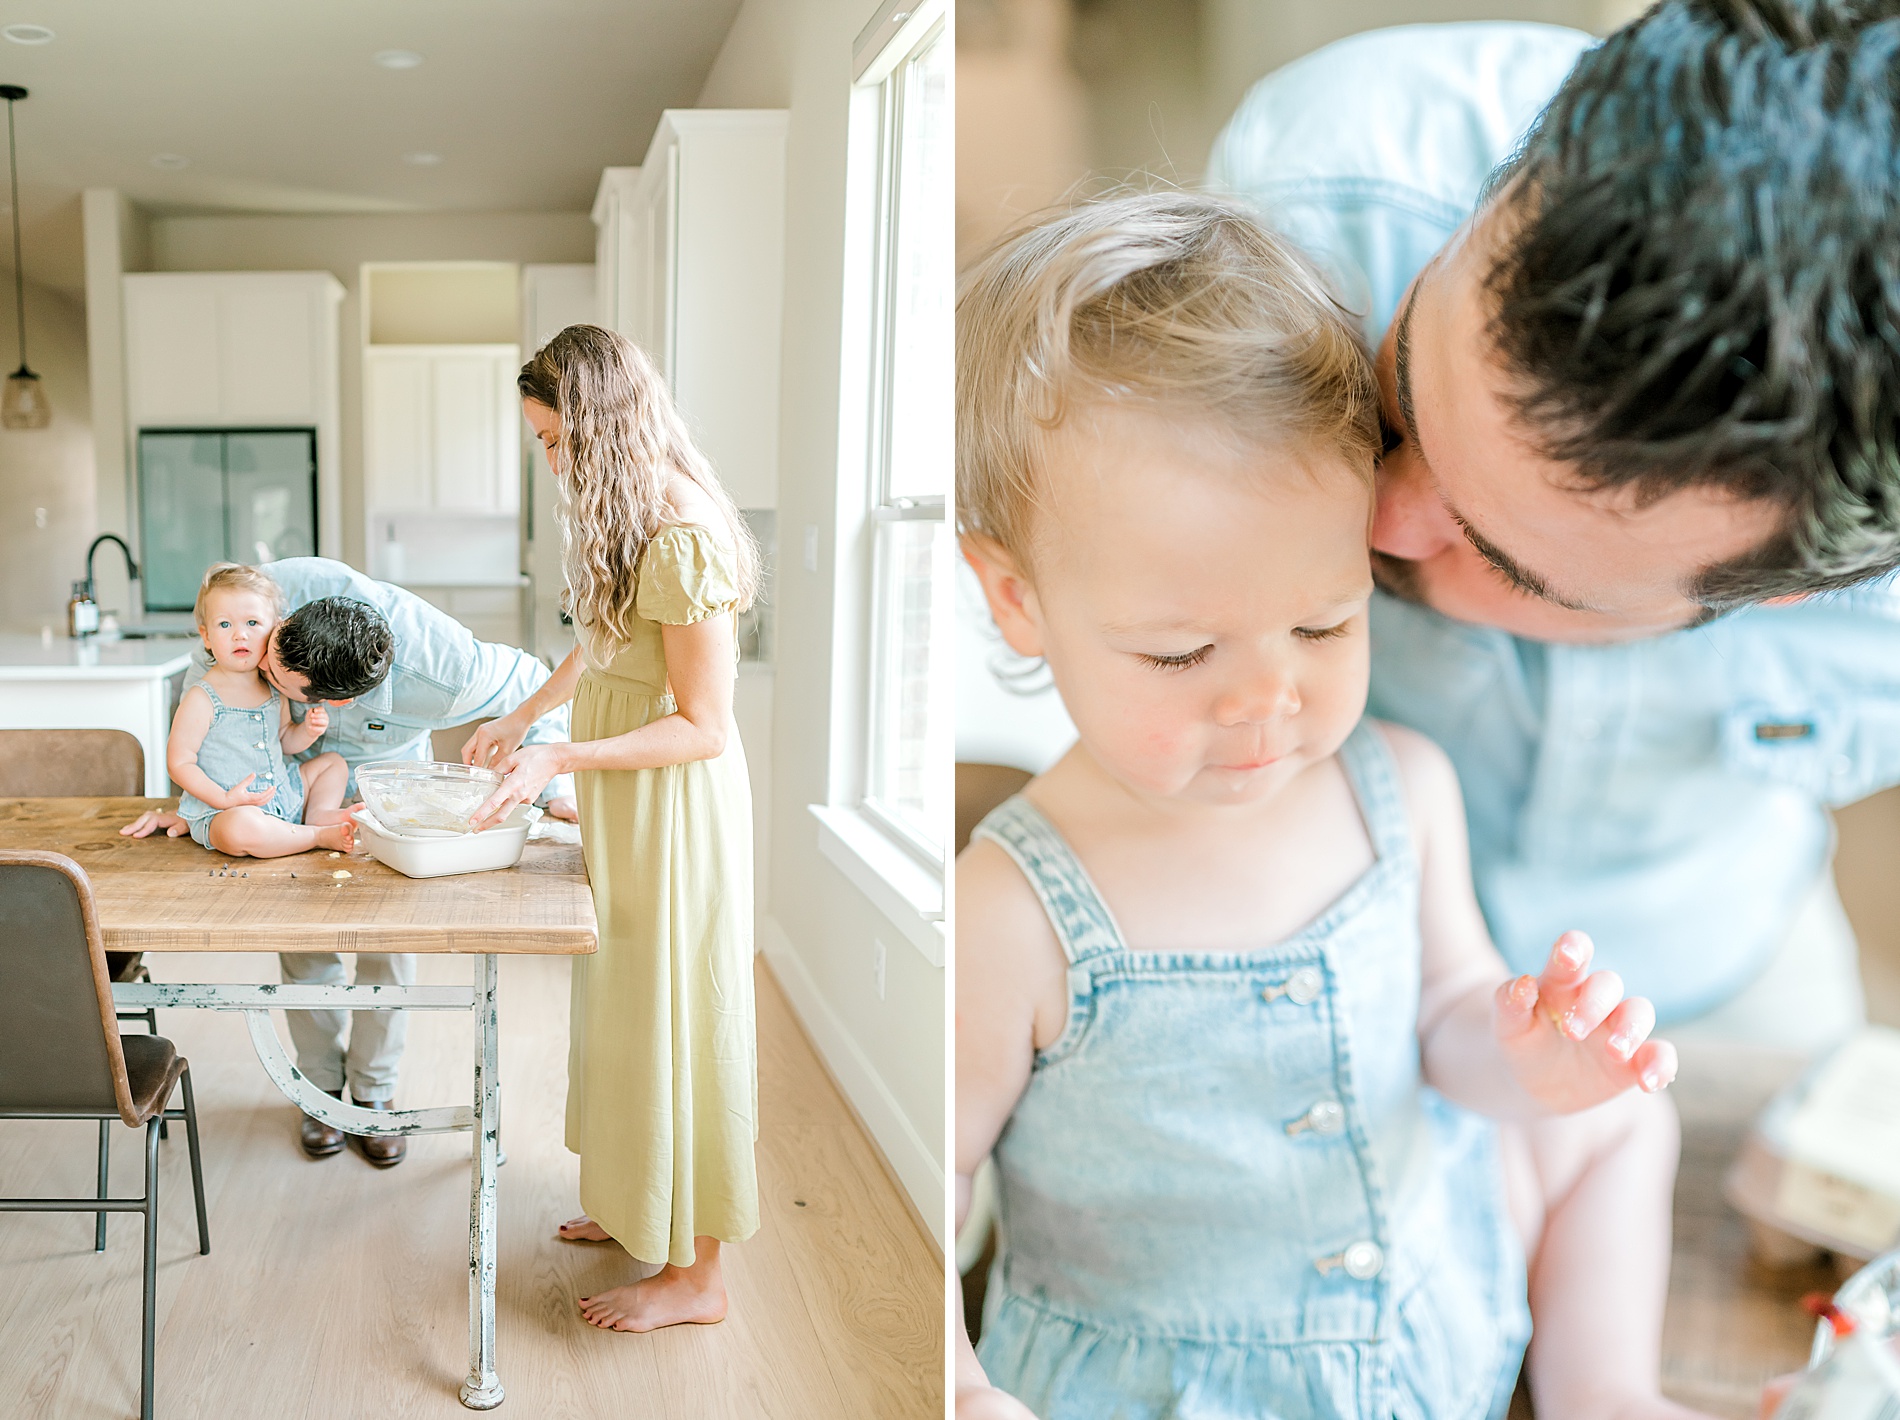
x=525 y=774
x=495 y=740
x=1570 y=1037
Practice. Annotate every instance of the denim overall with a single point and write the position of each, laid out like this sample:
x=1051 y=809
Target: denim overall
x=1226 y=1192
x=243 y=740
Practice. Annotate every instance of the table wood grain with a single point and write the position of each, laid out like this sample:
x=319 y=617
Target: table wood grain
x=162 y=894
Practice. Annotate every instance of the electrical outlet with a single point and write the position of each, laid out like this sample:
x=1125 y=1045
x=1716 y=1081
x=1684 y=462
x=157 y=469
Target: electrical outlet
x=39 y=517
x=811 y=547
x=877 y=968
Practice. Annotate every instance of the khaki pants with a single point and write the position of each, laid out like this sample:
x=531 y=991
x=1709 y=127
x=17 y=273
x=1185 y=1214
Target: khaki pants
x=370 y=1060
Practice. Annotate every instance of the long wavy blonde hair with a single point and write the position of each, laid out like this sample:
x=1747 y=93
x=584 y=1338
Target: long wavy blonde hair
x=622 y=443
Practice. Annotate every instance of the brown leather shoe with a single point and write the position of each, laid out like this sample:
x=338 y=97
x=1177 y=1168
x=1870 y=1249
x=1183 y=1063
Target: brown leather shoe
x=321 y=1139
x=383 y=1150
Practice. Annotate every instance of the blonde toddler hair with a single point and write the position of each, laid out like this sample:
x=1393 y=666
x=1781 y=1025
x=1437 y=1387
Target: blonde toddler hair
x=227 y=576
x=1180 y=300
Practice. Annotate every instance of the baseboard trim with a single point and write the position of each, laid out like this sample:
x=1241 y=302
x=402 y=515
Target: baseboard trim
x=910 y=1161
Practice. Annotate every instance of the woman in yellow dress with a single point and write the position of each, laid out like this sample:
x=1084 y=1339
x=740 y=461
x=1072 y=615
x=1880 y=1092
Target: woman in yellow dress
x=662 y=1101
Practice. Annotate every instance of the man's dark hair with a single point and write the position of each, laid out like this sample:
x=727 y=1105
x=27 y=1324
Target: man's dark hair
x=1699 y=282
x=340 y=645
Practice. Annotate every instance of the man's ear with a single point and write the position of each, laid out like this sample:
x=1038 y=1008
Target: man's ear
x=1011 y=595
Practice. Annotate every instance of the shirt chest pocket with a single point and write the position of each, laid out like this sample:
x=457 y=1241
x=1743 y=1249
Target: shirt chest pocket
x=1835 y=754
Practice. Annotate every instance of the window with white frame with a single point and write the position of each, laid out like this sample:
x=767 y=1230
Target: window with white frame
x=908 y=741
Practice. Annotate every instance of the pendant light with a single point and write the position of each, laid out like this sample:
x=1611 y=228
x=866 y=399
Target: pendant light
x=24 y=405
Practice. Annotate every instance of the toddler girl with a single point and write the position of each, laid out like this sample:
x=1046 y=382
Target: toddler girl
x=233 y=730
x=1221 y=974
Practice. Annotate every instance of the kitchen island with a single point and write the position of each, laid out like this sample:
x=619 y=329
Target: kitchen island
x=96 y=684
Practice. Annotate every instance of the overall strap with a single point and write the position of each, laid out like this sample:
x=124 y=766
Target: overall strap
x=1374 y=775
x=1082 y=921
x=217 y=705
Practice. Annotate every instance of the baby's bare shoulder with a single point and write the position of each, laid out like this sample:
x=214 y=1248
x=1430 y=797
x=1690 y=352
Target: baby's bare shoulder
x=1010 y=967
x=1426 y=775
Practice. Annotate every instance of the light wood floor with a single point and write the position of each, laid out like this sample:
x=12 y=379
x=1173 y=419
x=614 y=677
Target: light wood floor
x=337 y=1291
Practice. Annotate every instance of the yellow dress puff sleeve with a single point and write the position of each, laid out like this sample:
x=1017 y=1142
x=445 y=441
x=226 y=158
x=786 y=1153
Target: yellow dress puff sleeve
x=686 y=574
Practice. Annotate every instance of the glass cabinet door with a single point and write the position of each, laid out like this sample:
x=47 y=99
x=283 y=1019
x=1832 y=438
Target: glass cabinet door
x=270 y=478
x=181 y=513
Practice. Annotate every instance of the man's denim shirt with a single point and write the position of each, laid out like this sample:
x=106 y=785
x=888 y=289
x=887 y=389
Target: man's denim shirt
x=441 y=676
x=1670 y=795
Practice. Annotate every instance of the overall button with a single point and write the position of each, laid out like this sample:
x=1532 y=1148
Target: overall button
x=1302 y=988
x=1362 y=1261
x=1325 y=1117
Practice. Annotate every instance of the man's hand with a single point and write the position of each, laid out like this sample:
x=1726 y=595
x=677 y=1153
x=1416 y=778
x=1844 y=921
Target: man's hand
x=1572 y=1040
x=151 y=821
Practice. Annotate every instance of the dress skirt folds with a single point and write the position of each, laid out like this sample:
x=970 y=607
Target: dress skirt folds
x=662 y=1101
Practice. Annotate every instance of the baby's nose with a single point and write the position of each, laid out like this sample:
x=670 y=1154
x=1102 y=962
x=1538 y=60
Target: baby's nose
x=1268 y=694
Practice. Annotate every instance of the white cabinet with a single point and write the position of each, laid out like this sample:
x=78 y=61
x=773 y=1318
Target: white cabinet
x=235 y=350
x=690 y=257
x=440 y=432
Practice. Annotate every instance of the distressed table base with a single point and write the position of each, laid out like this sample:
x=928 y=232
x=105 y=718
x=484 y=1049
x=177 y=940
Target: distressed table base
x=482 y=1390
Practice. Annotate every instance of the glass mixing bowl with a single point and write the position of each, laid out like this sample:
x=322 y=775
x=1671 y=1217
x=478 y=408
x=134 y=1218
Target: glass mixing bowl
x=409 y=796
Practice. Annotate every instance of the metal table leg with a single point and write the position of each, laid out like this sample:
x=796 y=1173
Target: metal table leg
x=482 y=1390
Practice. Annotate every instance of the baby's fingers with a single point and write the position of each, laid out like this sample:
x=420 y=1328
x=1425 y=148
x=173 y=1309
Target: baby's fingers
x=1655 y=1065
x=1629 y=1026
x=1591 y=1006
x=1516 y=1003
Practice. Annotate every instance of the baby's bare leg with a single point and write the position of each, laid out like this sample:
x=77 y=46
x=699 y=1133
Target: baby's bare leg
x=325 y=779
x=1592 y=1194
x=249 y=832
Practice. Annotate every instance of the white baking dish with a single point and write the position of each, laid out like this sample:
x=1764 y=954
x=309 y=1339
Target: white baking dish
x=437 y=855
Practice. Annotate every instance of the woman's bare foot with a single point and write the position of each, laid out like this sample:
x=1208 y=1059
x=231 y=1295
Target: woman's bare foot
x=675 y=1295
x=582 y=1229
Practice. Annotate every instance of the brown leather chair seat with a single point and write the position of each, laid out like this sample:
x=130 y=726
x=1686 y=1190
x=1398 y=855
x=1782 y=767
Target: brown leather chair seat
x=152 y=1068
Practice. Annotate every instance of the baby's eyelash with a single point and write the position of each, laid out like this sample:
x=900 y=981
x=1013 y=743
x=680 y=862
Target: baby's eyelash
x=1325 y=633
x=1177 y=663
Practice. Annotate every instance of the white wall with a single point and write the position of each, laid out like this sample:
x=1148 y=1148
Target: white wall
x=340 y=245
x=46 y=475
x=820 y=931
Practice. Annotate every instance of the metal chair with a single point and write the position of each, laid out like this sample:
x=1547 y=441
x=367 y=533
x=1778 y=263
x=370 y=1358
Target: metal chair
x=86 y=764
x=62 y=1057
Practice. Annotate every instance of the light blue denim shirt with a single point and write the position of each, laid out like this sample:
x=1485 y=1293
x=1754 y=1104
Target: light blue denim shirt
x=1670 y=795
x=441 y=676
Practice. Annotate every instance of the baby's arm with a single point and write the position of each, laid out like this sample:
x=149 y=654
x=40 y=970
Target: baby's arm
x=1012 y=998
x=1509 y=1048
x=189 y=726
x=296 y=738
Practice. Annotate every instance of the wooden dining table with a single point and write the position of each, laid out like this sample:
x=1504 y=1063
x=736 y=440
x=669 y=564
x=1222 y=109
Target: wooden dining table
x=162 y=894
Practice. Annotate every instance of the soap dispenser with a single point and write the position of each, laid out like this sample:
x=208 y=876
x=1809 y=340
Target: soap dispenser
x=82 y=612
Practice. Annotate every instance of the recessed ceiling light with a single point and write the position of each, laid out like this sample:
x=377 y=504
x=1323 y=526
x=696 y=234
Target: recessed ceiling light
x=389 y=58
x=170 y=160
x=422 y=160
x=28 y=34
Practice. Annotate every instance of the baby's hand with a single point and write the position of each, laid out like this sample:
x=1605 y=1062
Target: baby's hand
x=316 y=720
x=1571 y=1038
x=237 y=796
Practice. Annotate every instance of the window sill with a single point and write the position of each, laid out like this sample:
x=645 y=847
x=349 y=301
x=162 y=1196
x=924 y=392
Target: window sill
x=906 y=892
